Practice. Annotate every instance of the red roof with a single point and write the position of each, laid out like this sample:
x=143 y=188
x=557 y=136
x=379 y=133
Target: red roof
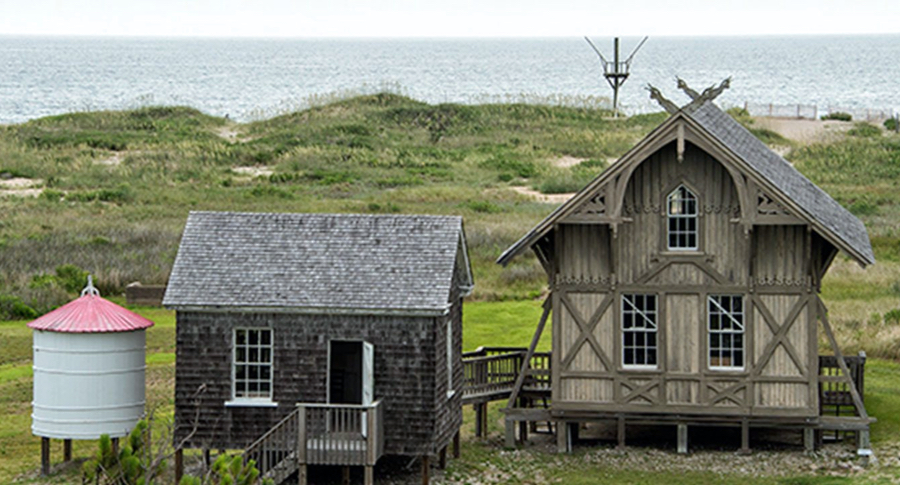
x=91 y=314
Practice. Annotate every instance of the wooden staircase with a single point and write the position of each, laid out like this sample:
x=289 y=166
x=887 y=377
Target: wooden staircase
x=320 y=434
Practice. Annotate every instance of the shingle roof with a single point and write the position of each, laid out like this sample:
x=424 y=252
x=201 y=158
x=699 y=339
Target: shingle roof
x=327 y=262
x=838 y=225
x=768 y=164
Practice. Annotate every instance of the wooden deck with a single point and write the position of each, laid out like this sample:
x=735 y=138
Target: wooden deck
x=320 y=434
x=491 y=373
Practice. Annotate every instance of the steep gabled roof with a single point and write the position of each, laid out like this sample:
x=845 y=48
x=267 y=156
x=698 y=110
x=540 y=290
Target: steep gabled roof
x=321 y=263
x=829 y=218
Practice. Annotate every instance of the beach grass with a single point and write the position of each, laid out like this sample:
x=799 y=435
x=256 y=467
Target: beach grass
x=116 y=188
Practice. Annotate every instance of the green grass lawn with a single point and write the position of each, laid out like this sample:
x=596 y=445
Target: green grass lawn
x=509 y=323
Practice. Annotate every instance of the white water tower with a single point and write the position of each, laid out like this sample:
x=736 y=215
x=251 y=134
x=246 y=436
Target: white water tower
x=89 y=361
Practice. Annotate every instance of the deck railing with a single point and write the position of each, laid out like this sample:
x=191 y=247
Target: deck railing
x=275 y=452
x=341 y=434
x=492 y=371
x=320 y=434
x=834 y=395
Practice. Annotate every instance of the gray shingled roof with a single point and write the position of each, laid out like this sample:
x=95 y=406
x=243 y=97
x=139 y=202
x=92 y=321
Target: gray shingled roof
x=327 y=262
x=768 y=164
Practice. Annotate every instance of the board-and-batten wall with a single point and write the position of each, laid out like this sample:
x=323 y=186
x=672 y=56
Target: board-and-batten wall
x=595 y=266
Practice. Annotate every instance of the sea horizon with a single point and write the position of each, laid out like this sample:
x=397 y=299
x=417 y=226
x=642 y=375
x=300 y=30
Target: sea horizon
x=250 y=78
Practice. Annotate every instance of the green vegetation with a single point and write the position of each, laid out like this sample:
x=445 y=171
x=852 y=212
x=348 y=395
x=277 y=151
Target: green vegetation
x=837 y=115
x=117 y=187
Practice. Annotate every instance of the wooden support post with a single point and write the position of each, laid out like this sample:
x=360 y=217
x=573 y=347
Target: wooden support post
x=45 y=456
x=509 y=436
x=745 y=437
x=301 y=474
x=682 y=438
x=345 y=475
x=425 y=470
x=562 y=437
x=115 y=446
x=620 y=432
x=67 y=450
x=809 y=440
x=442 y=458
x=179 y=464
x=854 y=393
x=479 y=418
x=523 y=431
x=456 y=451
x=206 y=459
x=370 y=475
x=864 y=447
x=523 y=372
x=301 y=445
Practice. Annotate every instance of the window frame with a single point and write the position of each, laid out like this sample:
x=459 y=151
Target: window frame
x=670 y=217
x=710 y=332
x=645 y=331
x=258 y=400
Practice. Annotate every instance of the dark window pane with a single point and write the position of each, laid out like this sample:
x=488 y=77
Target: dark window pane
x=264 y=387
x=639 y=339
x=265 y=355
x=240 y=337
x=254 y=372
x=639 y=356
x=738 y=358
x=629 y=356
x=629 y=339
x=651 y=339
x=254 y=337
x=240 y=372
x=628 y=320
x=265 y=372
x=240 y=354
x=254 y=355
x=651 y=356
x=252 y=387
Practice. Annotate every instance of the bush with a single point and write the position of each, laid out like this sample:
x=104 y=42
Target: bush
x=12 y=308
x=505 y=164
x=71 y=277
x=891 y=124
x=892 y=317
x=482 y=206
x=863 y=207
x=864 y=130
x=838 y=115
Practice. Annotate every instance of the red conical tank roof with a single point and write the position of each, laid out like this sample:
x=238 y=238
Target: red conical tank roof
x=90 y=314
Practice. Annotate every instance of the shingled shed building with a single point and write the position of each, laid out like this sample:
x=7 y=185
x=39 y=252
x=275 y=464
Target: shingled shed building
x=319 y=338
x=684 y=289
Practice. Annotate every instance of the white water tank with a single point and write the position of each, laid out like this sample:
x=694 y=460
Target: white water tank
x=89 y=362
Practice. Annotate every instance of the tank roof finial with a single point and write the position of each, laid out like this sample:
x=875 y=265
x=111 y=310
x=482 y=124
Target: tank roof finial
x=89 y=289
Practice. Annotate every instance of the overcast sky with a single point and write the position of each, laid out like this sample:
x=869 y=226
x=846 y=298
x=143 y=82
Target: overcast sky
x=446 y=18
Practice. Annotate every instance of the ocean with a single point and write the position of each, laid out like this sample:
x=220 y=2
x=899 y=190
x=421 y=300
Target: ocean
x=257 y=78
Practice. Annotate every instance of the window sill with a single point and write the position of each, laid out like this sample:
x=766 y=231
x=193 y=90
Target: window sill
x=640 y=368
x=251 y=403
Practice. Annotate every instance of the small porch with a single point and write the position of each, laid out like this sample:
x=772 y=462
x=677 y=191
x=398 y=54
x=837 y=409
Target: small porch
x=321 y=434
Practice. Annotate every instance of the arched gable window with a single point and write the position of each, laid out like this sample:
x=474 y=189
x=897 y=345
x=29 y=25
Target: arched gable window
x=681 y=212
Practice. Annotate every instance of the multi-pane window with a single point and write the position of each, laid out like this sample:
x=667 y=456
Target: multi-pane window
x=639 y=330
x=726 y=331
x=253 y=363
x=681 y=212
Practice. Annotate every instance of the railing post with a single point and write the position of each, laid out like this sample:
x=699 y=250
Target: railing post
x=371 y=439
x=301 y=444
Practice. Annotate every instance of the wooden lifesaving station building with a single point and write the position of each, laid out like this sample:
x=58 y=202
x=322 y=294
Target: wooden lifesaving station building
x=685 y=288
x=319 y=339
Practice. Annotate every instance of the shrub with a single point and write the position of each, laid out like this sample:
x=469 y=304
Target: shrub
x=892 y=317
x=12 y=308
x=891 y=124
x=863 y=207
x=864 y=130
x=71 y=277
x=515 y=167
x=837 y=115
x=482 y=206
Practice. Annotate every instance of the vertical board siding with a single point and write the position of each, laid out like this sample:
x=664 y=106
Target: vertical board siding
x=585 y=252
x=780 y=254
x=644 y=202
x=683 y=349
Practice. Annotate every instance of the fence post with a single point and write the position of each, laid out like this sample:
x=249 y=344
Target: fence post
x=301 y=444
